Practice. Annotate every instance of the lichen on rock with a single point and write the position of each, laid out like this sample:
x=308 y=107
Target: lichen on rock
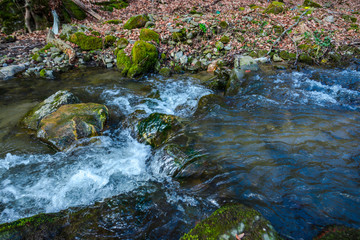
x=46 y=107
x=72 y=122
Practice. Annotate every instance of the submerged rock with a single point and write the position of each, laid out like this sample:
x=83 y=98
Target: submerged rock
x=10 y=71
x=72 y=122
x=237 y=78
x=233 y=222
x=48 y=106
x=158 y=128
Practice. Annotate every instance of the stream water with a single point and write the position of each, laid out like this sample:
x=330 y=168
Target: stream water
x=286 y=145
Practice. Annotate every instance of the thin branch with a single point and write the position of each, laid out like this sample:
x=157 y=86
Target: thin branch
x=287 y=30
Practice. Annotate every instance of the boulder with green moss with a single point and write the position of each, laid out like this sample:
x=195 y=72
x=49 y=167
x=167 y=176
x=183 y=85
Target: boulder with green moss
x=225 y=39
x=137 y=21
x=158 y=128
x=109 y=40
x=111 y=4
x=305 y=58
x=144 y=57
x=309 y=3
x=72 y=122
x=165 y=72
x=51 y=104
x=233 y=222
x=123 y=62
x=149 y=35
x=275 y=8
x=86 y=42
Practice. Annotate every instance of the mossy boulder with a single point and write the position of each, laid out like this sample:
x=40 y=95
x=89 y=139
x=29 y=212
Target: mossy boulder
x=231 y=221
x=109 y=40
x=309 y=3
x=149 y=35
x=349 y=18
x=225 y=39
x=158 y=128
x=144 y=57
x=275 y=8
x=137 y=21
x=305 y=58
x=339 y=232
x=74 y=10
x=85 y=42
x=223 y=24
x=123 y=62
x=32 y=119
x=165 y=72
x=72 y=122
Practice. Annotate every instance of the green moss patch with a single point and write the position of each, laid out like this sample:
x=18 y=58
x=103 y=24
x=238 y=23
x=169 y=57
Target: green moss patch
x=225 y=39
x=109 y=40
x=123 y=62
x=112 y=4
x=113 y=21
x=86 y=42
x=149 y=35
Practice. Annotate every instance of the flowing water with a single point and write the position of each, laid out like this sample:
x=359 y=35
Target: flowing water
x=286 y=145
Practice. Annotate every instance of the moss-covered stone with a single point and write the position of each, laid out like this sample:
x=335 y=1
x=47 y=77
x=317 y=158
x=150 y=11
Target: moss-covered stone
x=123 y=62
x=149 y=35
x=223 y=24
x=225 y=39
x=95 y=33
x=349 y=18
x=137 y=21
x=309 y=3
x=109 y=40
x=275 y=8
x=233 y=220
x=305 y=58
x=179 y=36
x=32 y=119
x=86 y=42
x=74 y=10
x=158 y=128
x=339 y=232
x=113 y=21
x=36 y=57
x=72 y=122
x=165 y=71
x=284 y=55
x=43 y=73
x=144 y=57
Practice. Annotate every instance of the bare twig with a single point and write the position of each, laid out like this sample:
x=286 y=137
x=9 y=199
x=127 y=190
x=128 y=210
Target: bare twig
x=287 y=30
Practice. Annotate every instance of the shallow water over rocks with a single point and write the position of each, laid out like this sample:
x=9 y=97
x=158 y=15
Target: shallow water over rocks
x=286 y=145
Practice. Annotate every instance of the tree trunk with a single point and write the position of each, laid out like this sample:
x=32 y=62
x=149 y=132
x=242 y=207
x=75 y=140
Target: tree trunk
x=28 y=15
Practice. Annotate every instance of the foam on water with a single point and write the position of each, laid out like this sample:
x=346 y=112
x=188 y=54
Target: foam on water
x=114 y=164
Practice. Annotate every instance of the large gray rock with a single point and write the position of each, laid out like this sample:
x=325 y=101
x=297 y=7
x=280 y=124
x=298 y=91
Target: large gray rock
x=48 y=106
x=10 y=71
x=246 y=63
x=235 y=82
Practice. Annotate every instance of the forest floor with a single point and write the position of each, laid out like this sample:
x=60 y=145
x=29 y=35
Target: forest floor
x=250 y=28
